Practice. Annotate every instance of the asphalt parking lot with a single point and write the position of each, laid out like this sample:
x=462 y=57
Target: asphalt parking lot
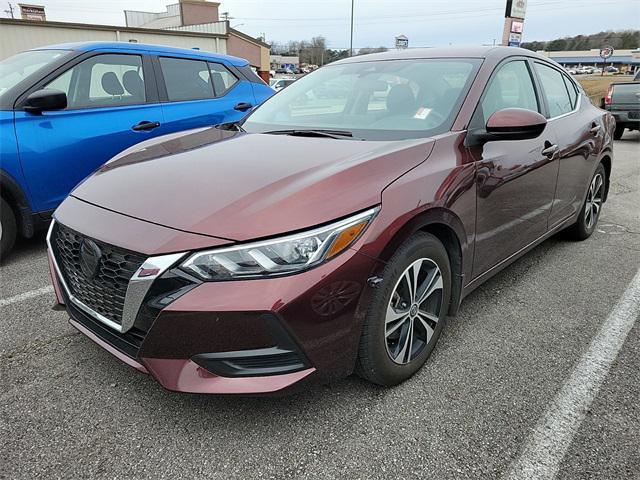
x=70 y=410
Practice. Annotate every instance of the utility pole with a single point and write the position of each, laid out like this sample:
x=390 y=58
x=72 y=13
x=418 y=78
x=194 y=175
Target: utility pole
x=351 y=44
x=10 y=10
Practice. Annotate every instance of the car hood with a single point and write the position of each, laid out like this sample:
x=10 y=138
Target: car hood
x=240 y=186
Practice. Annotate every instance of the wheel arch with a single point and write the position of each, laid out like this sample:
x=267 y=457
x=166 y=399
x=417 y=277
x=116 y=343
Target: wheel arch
x=15 y=197
x=447 y=227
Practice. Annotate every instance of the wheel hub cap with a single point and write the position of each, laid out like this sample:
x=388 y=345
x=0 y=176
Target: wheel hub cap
x=594 y=201
x=413 y=311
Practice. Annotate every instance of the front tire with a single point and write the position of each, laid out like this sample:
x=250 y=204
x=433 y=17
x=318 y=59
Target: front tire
x=8 y=228
x=590 y=211
x=407 y=312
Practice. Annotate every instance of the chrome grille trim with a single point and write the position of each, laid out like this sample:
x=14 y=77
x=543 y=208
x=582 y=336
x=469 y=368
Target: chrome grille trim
x=137 y=288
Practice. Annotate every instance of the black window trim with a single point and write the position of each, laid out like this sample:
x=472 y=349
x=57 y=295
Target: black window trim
x=151 y=90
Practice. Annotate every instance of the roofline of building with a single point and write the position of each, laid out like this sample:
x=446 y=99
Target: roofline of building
x=91 y=26
x=249 y=38
x=198 y=2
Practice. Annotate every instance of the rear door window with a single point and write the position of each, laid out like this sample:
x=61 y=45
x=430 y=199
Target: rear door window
x=555 y=90
x=186 y=79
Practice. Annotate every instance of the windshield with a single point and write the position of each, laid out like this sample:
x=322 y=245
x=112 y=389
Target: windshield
x=383 y=100
x=18 y=67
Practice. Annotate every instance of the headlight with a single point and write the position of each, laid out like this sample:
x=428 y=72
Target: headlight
x=281 y=255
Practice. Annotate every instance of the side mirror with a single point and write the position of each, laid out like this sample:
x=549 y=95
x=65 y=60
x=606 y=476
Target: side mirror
x=45 y=99
x=515 y=124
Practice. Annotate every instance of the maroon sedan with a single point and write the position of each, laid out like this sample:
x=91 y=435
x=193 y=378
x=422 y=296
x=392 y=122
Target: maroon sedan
x=337 y=227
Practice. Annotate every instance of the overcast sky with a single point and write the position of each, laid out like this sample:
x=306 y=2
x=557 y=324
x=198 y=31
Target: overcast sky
x=377 y=22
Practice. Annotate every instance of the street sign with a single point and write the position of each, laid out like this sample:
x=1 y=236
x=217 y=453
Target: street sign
x=402 y=42
x=606 y=52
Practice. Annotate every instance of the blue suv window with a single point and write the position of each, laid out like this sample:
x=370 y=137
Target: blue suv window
x=223 y=79
x=108 y=80
x=186 y=79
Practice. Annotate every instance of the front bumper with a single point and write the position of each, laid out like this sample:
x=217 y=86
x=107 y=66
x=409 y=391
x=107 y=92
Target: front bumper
x=249 y=336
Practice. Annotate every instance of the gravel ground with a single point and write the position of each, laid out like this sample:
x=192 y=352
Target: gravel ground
x=70 y=410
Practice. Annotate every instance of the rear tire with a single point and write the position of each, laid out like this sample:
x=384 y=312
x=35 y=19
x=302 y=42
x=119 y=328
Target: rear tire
x=592 y=206
x=401 y=328
x=8 y=228
x=617 y=133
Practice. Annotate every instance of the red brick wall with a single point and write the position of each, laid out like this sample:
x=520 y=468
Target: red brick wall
x=195 y=12
x=239 y=47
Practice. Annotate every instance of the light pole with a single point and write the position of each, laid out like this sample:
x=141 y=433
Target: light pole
x=351 y=44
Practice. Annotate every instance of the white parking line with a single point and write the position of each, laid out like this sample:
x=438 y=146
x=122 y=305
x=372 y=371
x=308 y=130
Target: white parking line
x=26 y=295
x=548 y=443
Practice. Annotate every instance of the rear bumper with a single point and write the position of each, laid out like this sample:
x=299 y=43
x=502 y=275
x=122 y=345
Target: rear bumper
x=626 y=117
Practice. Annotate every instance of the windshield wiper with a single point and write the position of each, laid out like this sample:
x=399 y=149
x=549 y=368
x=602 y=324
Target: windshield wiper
x=337 y=134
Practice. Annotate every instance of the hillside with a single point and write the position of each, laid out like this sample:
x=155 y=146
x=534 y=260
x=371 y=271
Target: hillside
x=624 y=39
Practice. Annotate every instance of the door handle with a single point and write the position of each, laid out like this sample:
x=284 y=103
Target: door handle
x=145 y=125
x=549 y=150
x=242 y=106
x=595 y=129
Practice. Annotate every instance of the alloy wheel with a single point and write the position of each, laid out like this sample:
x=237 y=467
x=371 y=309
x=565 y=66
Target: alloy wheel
x=594 y=201
x=413 y=311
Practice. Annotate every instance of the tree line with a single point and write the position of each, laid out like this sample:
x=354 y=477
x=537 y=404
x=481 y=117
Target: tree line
x=620 y=40
x=315 y=51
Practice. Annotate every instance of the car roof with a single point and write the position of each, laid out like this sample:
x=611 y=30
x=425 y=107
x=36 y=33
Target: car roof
x=473 y=51
x=144 y=47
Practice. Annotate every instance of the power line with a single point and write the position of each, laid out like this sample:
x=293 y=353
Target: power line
x=561 y=4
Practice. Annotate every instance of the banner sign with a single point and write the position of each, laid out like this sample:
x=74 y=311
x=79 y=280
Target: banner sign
x=516 y=8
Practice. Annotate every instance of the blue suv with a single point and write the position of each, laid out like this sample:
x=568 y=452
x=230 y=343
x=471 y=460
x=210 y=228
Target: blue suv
x=66 y=109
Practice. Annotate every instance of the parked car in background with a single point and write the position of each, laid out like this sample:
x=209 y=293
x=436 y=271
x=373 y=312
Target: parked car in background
x=66 y=109
x=284 y=71
x=623 y=101
x=571 y=71
x=613 y=70
x=330 y=234
x=279 y=83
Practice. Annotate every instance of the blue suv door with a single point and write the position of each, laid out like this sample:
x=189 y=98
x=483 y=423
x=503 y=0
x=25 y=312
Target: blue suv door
x=112 y=104
x=200 y=93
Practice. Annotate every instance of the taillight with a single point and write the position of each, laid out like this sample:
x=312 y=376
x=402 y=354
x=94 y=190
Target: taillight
x=607 y=99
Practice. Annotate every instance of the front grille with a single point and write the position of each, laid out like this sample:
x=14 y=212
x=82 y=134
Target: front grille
x=104 y=292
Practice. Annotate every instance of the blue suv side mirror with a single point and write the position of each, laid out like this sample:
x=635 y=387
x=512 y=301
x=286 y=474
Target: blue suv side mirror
x=45 y=99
